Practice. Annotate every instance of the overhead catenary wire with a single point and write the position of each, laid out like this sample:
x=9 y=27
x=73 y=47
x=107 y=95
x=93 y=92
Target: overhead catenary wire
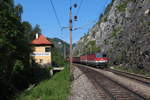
x=85 y=25
x=81 y=27
x=70 y=3
x=79 y=7
x=56 y=15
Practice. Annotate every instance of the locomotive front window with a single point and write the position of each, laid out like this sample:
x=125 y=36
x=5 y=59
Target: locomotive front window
x=98 y=55
x=104 y=55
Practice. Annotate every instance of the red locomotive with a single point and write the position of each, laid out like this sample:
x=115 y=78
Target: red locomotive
x=98 y=60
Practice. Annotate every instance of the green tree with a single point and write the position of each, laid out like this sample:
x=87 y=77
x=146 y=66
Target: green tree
x=28 y=31
x=57 y=57
x=91 y=47
x=37 y=29
x=14 y=47
x=18 y=10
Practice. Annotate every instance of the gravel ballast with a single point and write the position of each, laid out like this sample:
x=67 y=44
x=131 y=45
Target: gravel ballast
x=131 y=84
x=82 y=88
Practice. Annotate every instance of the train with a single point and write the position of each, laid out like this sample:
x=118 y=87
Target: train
x=98 y=60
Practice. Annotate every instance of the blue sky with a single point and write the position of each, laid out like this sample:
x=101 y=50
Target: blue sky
x=41 y=12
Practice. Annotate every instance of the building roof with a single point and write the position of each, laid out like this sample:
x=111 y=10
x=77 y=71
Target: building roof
x=41 y=40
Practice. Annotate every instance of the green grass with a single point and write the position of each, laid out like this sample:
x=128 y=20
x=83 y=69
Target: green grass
x=131 y=70
x=56 y=88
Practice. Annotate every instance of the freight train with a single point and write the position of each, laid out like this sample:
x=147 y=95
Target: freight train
x=97 y=60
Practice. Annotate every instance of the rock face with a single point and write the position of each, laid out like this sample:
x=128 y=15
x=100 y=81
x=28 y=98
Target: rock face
x=123 y=32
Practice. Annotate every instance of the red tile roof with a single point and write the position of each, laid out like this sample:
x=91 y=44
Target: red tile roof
x=41 y=40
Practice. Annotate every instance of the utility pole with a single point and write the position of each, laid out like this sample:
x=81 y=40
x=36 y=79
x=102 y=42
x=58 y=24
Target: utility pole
x=70 y=28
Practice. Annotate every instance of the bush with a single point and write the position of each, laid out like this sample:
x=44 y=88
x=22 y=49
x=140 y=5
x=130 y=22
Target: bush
x=56 y=88
x=122 y=6
x=18 y=66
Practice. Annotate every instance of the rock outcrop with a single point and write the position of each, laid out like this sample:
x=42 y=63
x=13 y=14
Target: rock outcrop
x=123 y=33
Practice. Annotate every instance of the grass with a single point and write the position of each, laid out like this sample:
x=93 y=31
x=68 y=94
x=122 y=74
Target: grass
x=56 y=88
x=131 y=70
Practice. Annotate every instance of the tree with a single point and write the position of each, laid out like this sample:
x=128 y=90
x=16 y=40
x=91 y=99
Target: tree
x=28 y=31
x=57 y=57
x=14 y=47
x=37 y=29
x=19 y=11
x=15 y=36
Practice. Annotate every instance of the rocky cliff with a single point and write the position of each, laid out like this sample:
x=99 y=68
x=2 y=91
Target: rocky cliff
x=123 y=33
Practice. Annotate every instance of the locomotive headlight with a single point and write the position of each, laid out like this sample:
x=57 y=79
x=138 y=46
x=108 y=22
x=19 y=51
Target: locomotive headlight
x=103 y=61
x=97 y=61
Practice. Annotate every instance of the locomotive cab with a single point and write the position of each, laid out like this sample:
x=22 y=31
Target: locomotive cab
x=101 y=60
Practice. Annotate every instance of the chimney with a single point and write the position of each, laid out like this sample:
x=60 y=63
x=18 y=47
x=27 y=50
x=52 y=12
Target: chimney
x=37 y=35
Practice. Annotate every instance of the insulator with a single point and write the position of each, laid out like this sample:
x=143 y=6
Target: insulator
x=70 y=21
x=75 y=18
x=75 y=5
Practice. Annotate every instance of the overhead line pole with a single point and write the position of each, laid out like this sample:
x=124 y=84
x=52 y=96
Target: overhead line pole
x=70 y=29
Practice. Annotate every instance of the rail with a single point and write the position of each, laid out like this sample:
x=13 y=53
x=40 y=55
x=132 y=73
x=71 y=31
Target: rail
x=136 y=77
x=112 y=88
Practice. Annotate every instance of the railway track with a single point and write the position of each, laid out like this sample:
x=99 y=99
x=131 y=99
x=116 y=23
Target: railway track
x=138 y=78
x=108 y=88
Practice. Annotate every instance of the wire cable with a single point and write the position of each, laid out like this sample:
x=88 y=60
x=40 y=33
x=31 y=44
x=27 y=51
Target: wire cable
x=79 y=7
x=70 y=3
x=56 y=15
x=82 y=27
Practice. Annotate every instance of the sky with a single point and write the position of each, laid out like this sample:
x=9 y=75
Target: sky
x=41 y=12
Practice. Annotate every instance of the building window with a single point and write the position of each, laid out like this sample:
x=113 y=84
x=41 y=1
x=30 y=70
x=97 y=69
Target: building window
x=41 y=60
x=47 y=49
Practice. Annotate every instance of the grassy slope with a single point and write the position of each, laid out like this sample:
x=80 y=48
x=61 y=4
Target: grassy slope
x=56 y=88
